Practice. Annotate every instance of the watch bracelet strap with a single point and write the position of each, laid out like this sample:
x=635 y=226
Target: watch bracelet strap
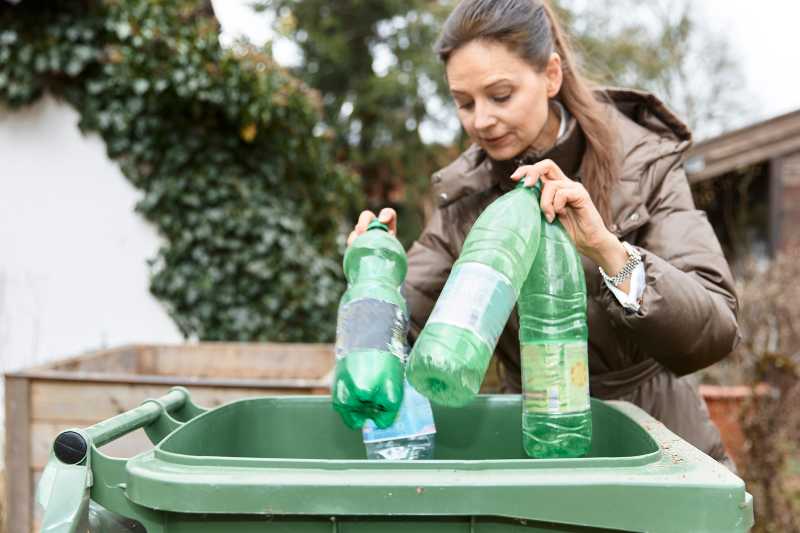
x=634 y=260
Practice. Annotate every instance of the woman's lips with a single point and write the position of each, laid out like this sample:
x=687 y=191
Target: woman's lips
x=494 y=141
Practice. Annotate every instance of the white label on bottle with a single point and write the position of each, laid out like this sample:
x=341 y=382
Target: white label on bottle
x=370 y=324
x=478 y=298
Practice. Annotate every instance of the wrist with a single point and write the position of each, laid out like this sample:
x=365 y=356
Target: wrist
x=621 y=279
x=609 y=253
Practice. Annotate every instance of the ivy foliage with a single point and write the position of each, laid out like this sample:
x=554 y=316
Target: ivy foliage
x=222 y=145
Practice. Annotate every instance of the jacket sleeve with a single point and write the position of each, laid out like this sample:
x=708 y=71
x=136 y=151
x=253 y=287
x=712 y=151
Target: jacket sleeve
x=429 y=262
x=687 y=318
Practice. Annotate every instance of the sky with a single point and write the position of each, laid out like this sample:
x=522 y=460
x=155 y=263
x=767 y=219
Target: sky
x=766 y=38
x=764 y=35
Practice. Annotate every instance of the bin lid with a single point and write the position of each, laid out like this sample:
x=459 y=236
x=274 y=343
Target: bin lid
x=292 y=456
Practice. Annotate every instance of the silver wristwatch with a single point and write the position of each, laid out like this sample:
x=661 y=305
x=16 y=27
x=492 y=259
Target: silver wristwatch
x=634 y=260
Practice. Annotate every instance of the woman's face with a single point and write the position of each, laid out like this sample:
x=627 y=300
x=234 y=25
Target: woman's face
x=502 y=100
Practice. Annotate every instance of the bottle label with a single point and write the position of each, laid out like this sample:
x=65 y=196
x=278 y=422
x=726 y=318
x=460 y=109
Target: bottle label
x=478 y=298
x=370 y=324
x=555 y=377
x=414 y=419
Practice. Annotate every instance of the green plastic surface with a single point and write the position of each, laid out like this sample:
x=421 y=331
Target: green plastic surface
x=368 y=378
x=553 y=337
x=449 y=359
x=288 y=464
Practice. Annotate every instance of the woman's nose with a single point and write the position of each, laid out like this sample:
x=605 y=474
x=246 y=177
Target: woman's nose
x=484 y=118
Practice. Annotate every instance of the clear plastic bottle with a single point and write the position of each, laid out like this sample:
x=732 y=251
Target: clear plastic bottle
x=371 y=331
x=449 y=360
x=411 y=436
x=553 y=335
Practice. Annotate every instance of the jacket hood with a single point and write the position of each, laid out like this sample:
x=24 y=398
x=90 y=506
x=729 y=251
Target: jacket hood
x=649 y=112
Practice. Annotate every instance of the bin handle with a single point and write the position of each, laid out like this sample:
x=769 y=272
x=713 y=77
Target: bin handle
x=148 y=412
x=63 y=491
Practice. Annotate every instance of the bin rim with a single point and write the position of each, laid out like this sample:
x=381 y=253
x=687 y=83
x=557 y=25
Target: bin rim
x=628 y=461
x=676 y=472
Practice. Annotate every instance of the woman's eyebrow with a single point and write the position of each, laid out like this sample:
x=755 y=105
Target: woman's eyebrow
x=496 y=82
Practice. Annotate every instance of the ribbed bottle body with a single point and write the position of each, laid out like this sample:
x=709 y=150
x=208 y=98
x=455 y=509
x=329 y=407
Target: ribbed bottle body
x=556 y=417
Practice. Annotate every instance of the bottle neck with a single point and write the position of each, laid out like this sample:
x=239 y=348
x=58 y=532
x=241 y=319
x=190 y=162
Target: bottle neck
x=537 y=188
x=376 y=268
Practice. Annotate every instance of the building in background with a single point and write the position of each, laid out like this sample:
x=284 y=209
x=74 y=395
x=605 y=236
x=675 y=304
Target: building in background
x=73 y=253
x=748 y=181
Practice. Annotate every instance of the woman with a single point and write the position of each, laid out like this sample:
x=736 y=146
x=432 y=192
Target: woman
x=610 y=162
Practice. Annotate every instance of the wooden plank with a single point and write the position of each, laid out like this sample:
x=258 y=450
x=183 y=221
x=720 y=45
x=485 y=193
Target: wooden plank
x=790 y=171
x=120 y=360
x=744 y=158
x=146 y=360
x=2 y=499
x=775 y=206
x=18 y=480
x=83 y=404
x=218 y=361
x=37 y=513
x=757 y=138
x=745 y=146
x=90 y=361
x=246 y=360
x=298 y=385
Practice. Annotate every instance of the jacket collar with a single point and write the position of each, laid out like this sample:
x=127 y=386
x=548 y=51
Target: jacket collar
x=567 y=153
x=475 y=171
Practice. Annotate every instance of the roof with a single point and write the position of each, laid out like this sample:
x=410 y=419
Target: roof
x=744 y=147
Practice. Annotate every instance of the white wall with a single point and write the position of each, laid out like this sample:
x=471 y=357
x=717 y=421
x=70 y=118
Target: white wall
x=73 y=272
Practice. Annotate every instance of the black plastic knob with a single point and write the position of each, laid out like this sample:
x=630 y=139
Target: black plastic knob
x=70 y=447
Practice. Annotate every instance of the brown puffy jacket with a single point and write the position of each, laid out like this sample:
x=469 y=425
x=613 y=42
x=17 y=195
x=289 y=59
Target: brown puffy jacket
x=687 y=319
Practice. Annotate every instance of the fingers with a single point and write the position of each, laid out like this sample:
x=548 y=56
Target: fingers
x=558 y=195
x=560 y=199
x=389 y=217
x=545 y=169
x=361 y=226
x=363 y=221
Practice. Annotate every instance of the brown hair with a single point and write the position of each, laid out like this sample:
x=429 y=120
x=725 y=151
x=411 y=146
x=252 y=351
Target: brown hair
x=530 y=29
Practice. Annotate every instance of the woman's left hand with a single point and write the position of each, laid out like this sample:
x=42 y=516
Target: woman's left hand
x=570 y=201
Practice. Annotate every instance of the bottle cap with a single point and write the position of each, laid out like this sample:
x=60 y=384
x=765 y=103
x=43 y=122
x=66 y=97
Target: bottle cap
x=377 y=224
x=537 y=187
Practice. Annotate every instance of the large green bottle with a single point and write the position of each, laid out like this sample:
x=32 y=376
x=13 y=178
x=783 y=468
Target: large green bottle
x=449 y=360
x=371 y=331
x=553 y=334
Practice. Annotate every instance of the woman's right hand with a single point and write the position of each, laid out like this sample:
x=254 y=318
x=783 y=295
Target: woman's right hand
x=387 y=215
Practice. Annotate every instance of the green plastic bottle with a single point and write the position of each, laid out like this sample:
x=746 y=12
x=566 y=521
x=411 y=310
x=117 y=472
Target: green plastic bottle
x=449 y=359
x=371 y=331
x=553 y=335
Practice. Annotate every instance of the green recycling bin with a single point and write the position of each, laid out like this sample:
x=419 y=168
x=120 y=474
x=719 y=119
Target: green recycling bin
x=288 y=464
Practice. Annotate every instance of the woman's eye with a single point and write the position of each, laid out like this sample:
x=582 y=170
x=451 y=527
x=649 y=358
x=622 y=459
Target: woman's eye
x=501 y=99
x=466 y=105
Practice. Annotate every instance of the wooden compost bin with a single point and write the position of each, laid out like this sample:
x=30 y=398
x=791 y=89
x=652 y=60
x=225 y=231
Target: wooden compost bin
x=82 y=390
